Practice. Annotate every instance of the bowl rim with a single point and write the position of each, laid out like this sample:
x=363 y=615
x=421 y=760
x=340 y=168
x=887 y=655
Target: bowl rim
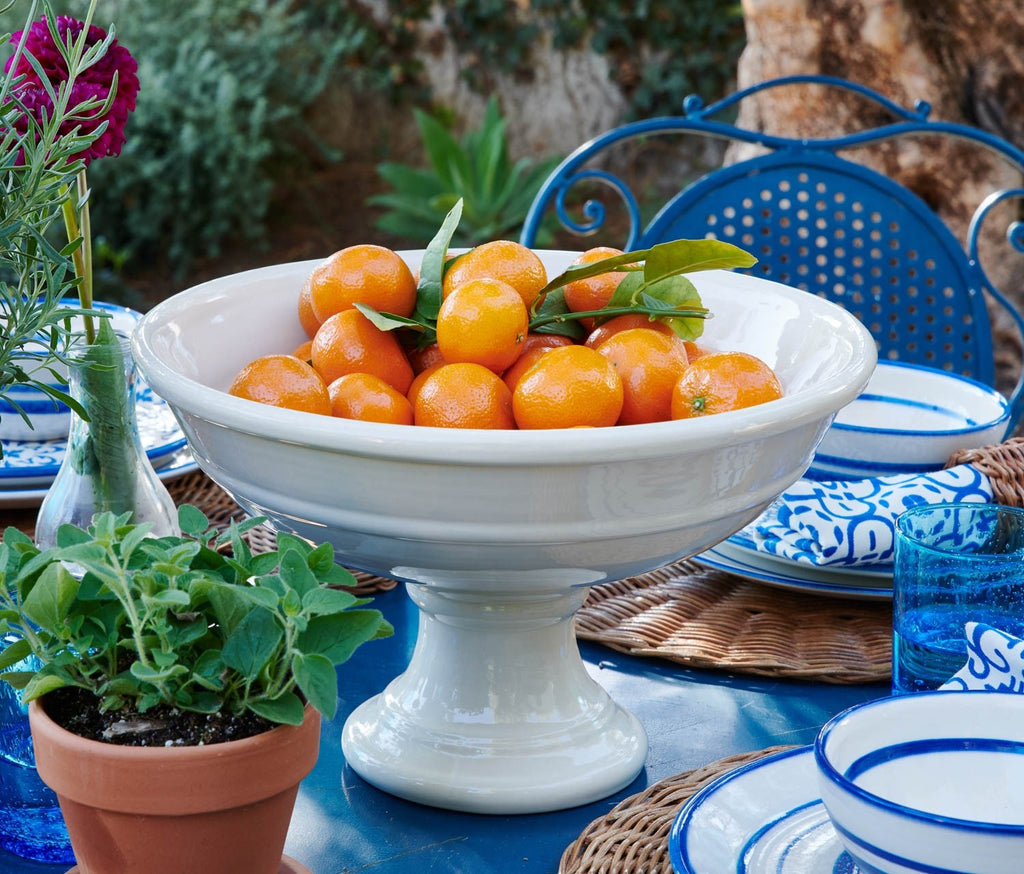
x=834 y=776
x=508 y=448
x=986 y=390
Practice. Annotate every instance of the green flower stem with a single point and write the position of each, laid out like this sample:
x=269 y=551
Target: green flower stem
x=82 y=256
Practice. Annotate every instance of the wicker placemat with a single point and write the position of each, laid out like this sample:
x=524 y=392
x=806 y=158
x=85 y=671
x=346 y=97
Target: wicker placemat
x=706 y=618
x=632 y=838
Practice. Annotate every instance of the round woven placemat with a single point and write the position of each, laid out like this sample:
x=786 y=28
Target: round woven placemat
x=706 y=618
x=632 y=838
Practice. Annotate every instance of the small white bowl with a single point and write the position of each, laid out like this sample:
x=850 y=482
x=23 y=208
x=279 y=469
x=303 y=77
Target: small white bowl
x=909 y=419
x=932 y=782
x=51 y=419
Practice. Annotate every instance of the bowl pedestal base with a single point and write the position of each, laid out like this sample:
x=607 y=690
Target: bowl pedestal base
x=496 y=712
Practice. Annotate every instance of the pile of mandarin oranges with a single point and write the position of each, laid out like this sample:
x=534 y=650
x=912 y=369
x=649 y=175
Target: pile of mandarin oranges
x=483 y=367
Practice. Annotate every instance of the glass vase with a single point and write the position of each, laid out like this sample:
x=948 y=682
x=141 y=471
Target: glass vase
x=105 y=467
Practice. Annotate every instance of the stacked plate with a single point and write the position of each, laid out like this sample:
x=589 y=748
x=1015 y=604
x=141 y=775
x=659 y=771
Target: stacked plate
x=740 y=556
x=29 y=466
x=762 y=818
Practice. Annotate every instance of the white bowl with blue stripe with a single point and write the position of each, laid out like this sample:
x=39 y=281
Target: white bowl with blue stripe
x=50 y=419
x=931 y=783
x=909 y=419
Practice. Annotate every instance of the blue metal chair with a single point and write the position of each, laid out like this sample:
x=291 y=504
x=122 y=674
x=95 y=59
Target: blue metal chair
x=821 y=222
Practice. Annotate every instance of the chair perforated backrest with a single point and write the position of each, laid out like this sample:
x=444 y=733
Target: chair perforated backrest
x=838 y=229
x=823 y=223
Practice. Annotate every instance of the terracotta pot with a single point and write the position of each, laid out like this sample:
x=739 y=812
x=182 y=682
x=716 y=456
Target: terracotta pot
x=216 y=809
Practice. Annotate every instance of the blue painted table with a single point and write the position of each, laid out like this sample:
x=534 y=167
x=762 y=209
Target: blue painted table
x=343 y=824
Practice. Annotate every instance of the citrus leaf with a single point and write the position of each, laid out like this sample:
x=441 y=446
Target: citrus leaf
x=428 y=291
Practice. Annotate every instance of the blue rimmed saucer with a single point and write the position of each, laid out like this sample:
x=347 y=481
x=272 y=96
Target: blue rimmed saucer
x=765 y=817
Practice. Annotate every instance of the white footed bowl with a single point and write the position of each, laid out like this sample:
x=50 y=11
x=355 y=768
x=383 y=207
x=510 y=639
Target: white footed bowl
x=909 y=419
x=928 y=782
x=498 y=533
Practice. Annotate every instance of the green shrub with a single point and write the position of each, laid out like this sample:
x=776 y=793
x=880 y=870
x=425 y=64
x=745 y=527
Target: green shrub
x=223 y=87
x=477 y=170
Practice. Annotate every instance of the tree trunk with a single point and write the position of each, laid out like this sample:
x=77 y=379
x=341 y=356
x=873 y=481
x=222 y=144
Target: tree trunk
x=964 y=59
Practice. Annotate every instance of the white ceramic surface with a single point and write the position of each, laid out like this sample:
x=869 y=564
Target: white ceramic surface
x=498 y=534
x=909 y=419
x=928 y=782
x=50 y=420
x=765 y=817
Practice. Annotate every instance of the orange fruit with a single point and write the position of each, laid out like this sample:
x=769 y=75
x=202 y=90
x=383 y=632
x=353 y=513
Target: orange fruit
x=418 y=380
x=307 y=318
x=650 y=364
x=282 y=381
x=421 y=359
x=523 y=363
x=367 y=274
x=482 y=321
x=506 y=260
x=568 y=387
x=304 y=350
x=721 y=381
x=534 y=346
x=464 y=395
x=694 y=351
x=594 y=292
x=368 y=398
x=348 y=342
x=545 y=341
x=623 y=323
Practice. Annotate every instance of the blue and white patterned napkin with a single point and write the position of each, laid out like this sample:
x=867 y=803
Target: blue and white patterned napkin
x=851 y=523
x=995 y=661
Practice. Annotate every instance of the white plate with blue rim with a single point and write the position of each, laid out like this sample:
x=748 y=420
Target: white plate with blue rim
x=765 y=817
x=176 y=465
x=740 y=556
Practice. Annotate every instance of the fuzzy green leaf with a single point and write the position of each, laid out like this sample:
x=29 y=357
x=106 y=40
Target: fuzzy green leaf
x=40 y=684
x=287 y=710
x=17 y=679
x=296 y=574
x=252 y=643
x=337 y=636
x=14 y=652
x=320 y=601
x=318 y=681
x=48 y=602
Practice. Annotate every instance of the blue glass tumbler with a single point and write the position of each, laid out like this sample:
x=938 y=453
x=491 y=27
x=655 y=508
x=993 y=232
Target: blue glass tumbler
x=31 y=825
x=954 y=564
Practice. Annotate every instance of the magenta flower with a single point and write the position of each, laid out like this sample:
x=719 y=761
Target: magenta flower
x=92 y=83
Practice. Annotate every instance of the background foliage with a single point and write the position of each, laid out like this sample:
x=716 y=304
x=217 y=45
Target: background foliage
x=226 y=86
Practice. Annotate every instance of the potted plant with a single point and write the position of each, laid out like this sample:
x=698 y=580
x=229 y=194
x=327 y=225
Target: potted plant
x=181 y=683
